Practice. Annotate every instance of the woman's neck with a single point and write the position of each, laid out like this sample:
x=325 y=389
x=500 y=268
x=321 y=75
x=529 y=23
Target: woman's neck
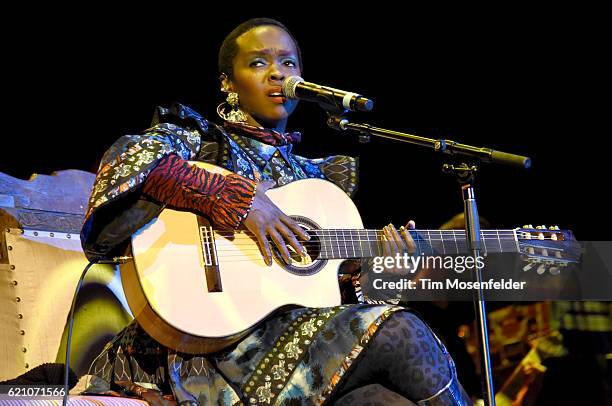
x=279 y=126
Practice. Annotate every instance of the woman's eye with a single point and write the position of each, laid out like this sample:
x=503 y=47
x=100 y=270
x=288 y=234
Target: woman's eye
x=257 y=62
x=290 y=62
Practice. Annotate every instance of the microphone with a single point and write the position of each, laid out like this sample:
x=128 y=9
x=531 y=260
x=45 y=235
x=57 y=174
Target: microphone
x=294 y=87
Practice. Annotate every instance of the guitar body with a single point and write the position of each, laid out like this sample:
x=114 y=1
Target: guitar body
x=198 y=290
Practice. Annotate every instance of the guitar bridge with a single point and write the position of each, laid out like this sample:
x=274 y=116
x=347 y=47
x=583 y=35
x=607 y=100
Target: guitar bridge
x=209 y=256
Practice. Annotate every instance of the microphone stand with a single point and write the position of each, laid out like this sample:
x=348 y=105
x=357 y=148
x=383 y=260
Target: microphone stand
x=465 y=174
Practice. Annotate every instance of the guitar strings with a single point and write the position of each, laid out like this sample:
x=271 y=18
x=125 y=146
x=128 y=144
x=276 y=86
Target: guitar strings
x=490 y=236
x=334 y=241
x=352 y=240
x=343 y=232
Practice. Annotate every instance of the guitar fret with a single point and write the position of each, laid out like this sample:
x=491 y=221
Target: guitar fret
x=369 y=245
x=361 y=243
x=417 y=242
x=442 y=241
x=346 y=243
x=484 y=243
x=324 y=244
x=516 y=241
x=362 y=252
x=373 y=243
x=336 y=245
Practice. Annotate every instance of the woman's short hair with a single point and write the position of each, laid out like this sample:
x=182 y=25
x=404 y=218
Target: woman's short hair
x=229 y=48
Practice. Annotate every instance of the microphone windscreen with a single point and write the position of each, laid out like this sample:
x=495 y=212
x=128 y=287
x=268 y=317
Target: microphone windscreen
x=289 y=86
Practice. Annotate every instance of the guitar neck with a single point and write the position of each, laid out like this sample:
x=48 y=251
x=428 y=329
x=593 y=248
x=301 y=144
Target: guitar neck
x=346 y=243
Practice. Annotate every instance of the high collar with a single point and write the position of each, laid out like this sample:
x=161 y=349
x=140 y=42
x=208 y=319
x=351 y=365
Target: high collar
x=265 y=135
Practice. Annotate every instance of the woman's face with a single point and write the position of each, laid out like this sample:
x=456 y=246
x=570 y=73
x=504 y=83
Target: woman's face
x=267 y=56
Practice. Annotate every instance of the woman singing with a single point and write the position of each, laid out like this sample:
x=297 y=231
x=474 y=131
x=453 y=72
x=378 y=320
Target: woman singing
x=329 y=351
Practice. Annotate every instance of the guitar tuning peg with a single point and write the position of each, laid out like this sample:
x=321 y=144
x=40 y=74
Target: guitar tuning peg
x=541 y=269
x=526 y=226
x=556 y=228
x=558 y=254
x=530 y=251
x=540 y=227
x=554 y=237
x=554 y=270
x=545 y=252
x=552 y=228
x=541 y=236
x=528 y=266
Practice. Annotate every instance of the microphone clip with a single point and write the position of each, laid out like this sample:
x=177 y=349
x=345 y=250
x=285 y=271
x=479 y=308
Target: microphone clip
x=340 y=123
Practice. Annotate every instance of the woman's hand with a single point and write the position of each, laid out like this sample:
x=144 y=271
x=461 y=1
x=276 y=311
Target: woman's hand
x=398 y=242
x=394 y=243
x=402 y=243
x=266 y=219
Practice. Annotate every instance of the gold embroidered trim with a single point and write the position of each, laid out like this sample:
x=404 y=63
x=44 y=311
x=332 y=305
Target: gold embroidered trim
x=275 y=369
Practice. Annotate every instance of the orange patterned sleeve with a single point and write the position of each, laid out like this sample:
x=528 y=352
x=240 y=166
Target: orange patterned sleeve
x=226 y=200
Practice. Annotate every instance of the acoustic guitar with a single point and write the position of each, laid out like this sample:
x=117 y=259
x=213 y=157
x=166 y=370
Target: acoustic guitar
x=198 y=289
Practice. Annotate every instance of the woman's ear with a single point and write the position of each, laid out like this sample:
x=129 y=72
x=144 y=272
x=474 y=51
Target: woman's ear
x=226 y=83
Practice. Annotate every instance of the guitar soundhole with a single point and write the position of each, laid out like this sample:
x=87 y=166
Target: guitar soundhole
x=310 y=263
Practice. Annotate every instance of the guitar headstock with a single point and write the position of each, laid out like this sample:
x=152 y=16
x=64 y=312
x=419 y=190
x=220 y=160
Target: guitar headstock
x=547 y=248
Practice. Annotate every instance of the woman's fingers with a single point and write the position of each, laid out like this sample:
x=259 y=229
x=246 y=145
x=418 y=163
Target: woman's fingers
x=280 y=244
x=400 y=241
x=290 y=238
x=295 y=228
x=266 y=220
x=396 y=237
x=264 y=245
x=386 y=243
x=407 y=238
x=392 y=242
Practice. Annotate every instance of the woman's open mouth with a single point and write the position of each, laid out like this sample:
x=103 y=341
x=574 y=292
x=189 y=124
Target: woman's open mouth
x=277 y=97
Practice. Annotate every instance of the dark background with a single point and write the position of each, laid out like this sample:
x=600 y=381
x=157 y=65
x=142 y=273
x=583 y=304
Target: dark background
x=519 y=80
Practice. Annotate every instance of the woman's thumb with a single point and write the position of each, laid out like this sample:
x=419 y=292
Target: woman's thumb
x=265 y=185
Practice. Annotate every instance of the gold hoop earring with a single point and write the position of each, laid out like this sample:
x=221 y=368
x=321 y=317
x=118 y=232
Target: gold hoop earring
x=234 y=115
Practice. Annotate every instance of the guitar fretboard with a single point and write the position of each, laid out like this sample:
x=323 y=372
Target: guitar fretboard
x=348 y=243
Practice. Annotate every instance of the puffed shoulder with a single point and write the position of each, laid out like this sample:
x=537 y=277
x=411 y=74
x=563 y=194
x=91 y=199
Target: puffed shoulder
x=180 y=115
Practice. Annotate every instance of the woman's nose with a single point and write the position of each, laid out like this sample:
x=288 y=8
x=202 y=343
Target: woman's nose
x=276 y=74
